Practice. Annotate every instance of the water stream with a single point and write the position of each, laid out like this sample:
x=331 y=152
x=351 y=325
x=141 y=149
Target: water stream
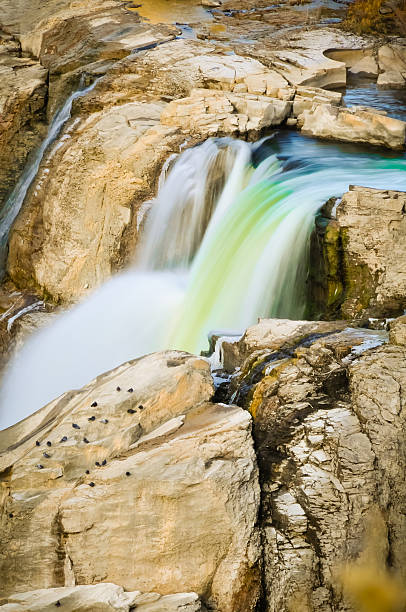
x=15 y=200
x=225 y=243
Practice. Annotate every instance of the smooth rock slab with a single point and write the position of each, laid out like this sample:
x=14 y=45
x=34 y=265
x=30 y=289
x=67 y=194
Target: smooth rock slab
x=102 y=597
x=353 y=125
x=170 y=500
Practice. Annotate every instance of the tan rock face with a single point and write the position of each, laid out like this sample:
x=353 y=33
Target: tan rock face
x=392 y=65
x=102 y=597
x=211 y=113
x=370 y=280
x=92 y=187
x=329 y=428
x=170 y=501
x=353 y=125
x=23 y=91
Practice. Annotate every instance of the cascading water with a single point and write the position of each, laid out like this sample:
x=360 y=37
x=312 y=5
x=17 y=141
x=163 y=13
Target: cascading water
x=14 y=202
x=225 y=243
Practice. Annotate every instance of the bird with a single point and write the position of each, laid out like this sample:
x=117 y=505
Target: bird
x=85 y=440
x=37 y=443
x=104 y=421
x=11 y=514
x=40 y=467
x=131 y=411
x=92 y=418
x=97 y=463
x=75 y=426
x=49 y=443
x=104 y=462
x=91 y=484
x=118 y=388
x=128 y=473
x=87 y=471
x=63 y=439
x=58 y=604
x=130 y=390
x=94 y=405
x=46 y=455
x=141 y=407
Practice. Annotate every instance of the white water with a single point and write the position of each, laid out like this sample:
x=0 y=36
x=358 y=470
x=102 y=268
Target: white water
x=225 y=243
x=14 y=202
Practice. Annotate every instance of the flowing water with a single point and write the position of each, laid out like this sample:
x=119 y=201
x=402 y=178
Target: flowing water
x=14 y=202
x=225 y=243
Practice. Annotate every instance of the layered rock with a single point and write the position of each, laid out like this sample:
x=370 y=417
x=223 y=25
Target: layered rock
x=23 y=93
x=102 y=597
x=392 y=66
x=353 y=124
x=211 y=113
x=329 y=428
x=117 y=155
x=137 y=480
x=360 y=267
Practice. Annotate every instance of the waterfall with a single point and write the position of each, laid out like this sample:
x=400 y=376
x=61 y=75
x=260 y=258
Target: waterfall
x=225 y=243
x=16 y=199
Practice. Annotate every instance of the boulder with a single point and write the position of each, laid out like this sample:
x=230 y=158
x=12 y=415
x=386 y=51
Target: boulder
x=329 y=428
x=362 y=262
x=155 y=489
x=353 y=125
x=103 y=597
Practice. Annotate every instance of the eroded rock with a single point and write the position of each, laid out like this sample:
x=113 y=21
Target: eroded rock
x=362 y=260
x=102 y=597
x=353 y=125
x=329 y=431
x=172 y=480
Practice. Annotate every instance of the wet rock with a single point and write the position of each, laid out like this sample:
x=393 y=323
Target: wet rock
x=23 y=93
x=192 y=491
x=93 y=187
x=353 y=125
x=102 y=597
x=362 y=261
x=329 y=426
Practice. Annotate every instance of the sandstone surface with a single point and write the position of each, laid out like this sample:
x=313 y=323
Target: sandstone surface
x=362 y=259
x=23 y=92
x=329 y=429
x=103 y=597
x=353 y=124
x=155 y=489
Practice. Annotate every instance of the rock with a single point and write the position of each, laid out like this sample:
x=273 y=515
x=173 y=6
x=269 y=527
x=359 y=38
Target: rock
x=101 y=597
x=329 y=427
x=392 y=65
x=212 y=113
x=68 y=36
x=397 y=333
x=183 y=519
x=364 y=277
x=353 y=125
x=306 y=97
x=391 y=80
x=365 y=67
x=117 y=156
x=275 y=334
x=23 y=92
